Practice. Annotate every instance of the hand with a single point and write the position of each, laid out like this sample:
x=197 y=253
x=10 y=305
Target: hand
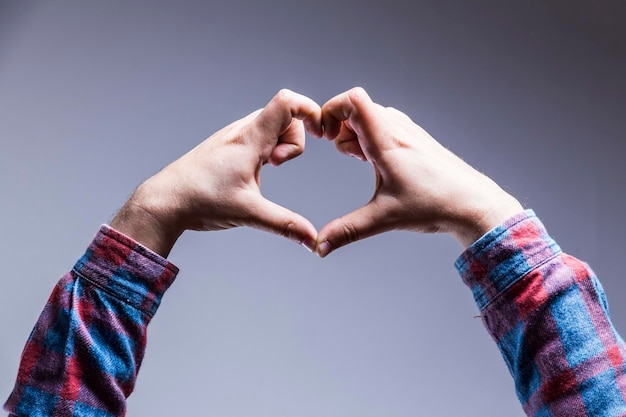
x=420 y=185
x=217 y=184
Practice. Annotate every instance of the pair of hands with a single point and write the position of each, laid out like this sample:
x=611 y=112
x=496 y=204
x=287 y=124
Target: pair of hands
x=420 y=185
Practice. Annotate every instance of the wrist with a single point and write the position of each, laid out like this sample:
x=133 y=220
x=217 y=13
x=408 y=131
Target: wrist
x=479 y=222
x=146 y=219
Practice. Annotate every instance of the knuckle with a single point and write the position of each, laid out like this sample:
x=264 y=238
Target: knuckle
x=357 y=95
x=350 y=233
x=283 y=95
x=288 y=229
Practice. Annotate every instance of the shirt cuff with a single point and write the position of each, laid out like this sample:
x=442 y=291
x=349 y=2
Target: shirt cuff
x=505 y=255
x=126 y=269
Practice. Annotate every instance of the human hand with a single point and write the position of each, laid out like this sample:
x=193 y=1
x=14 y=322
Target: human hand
x=420 y=185
x=217 y=184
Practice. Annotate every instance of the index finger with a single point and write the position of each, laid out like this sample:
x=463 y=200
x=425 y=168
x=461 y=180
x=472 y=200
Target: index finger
x=276 y=117
x=364 y=117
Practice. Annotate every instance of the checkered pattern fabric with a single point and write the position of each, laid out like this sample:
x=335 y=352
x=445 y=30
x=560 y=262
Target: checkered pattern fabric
x=549 y=316
x=84 y=353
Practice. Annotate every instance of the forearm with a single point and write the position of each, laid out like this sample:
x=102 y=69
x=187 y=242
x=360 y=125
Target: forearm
x=548 y=314
x=84 y=353
x=150 y=218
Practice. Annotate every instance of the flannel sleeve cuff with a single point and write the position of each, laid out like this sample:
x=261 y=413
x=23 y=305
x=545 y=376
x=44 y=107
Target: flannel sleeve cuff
x=126 y=269
x=505 y=255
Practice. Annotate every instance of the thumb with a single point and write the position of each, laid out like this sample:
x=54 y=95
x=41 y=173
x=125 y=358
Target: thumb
x=361 y=223
x=274 y=218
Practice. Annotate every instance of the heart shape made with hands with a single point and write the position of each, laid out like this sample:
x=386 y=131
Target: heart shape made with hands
x=288 y=116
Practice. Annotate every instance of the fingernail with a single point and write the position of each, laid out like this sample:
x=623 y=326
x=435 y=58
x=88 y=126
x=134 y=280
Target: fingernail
x=359 y=157
x=309 y=244
x=325 y=248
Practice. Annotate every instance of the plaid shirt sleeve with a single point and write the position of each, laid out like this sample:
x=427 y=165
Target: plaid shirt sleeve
x=548 y=314
x=83 y=356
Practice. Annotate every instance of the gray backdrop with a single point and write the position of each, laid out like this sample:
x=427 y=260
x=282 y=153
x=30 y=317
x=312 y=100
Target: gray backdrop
x=97 y=96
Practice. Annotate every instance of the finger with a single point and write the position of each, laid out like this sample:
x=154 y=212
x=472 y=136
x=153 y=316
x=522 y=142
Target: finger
x=277 y=219
x=348 y=143
x=276 y=117
x=353 y=106
x=367 y=119
x=290 y=144
x=359 y=224
x=351 y=148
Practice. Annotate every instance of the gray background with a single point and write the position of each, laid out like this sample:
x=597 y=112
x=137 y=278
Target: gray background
x=97 y=96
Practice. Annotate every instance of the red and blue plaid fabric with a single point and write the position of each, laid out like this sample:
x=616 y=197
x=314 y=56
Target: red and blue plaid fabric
x=84 y=353
x=549 y=316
